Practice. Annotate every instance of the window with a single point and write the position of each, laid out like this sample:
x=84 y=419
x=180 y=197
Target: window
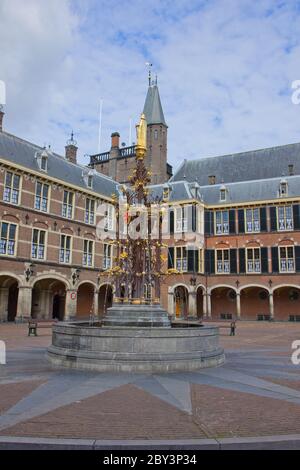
x=67 y=209
x=41 y=196
x=222 y=222
x=201 y=261
x=107 y=258
x=8 y=239
x=88 y=253
x=252 y=220
x=155 y=134
x=42 y=159
x=11 y=188
x=286 y=259
x=285 y=218
x=65 y=249
x=90 y=181
x=222 y=262
x=283 y=189
x=181 y=258
x=109 y=218
x=44 y=163
x=222 y=194
x=89 y=217
x=253 y=260
x=38 y=244
x=180 y=220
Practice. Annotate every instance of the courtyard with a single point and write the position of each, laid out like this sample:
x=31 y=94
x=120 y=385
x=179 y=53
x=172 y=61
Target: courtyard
x=255 y=394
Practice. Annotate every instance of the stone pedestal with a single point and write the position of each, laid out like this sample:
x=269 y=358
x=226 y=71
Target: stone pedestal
x=141 y=316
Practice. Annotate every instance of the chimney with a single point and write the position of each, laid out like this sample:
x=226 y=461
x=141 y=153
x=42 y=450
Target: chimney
x=71 y=149
x=1 y=119
x=115 y=140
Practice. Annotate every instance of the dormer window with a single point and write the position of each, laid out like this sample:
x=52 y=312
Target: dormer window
x=283 y=189
x=195 y=190
x=223 y=194
x=166 y=192
x=42 y=160
x=44 y=163
x=87 y=176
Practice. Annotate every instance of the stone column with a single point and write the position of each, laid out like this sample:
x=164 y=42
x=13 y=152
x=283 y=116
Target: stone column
x=170 y=303
x=238 y=305
x=71 y=304
x=4 y=291
x=192 y=304
x=96 y=303
x=271 y=305
x=208 y=301
x=204 y=305
x=24 y=302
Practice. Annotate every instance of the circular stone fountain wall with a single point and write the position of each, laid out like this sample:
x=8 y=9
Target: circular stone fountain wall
x=77 y=345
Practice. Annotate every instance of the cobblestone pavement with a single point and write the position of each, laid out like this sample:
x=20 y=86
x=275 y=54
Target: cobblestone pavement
x=256 y=393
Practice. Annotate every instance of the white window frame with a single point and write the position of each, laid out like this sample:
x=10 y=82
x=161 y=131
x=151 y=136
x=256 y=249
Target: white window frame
x=7 y=242
x=222 y=194
x=88 y=254
x=68 y=206
x=222 y=266
x=286 y=264
x=41 y=203
x=180 y=214
x=283 y=189
x=65 y=254
x=89 y=214
x=181 y=260
x=285 y=224
x=255 y=222
x=11 y=194
x=253 y=264
x=224 y=226
x=38 y=250
x=107 y=255
x=109 y=218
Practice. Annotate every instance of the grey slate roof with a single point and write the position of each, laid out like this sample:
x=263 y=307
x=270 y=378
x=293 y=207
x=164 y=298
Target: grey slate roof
x=244 y=191
x=23 y=153
x=152 y=108
x=250 y=191
x=246 y=166
x=180 y=191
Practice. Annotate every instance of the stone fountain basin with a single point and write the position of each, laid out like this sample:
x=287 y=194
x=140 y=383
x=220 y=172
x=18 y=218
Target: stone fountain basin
x=132 y=349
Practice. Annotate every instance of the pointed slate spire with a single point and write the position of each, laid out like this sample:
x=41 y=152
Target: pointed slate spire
x=152 y=108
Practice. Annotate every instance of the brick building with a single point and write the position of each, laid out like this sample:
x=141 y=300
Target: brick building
x=244 y=208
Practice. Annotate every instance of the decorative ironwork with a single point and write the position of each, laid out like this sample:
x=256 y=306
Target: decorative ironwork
x=139 y=259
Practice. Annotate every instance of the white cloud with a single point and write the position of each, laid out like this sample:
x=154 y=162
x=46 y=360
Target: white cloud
x=225 y=69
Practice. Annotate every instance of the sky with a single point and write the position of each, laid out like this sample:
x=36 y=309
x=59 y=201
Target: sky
x=225 y=71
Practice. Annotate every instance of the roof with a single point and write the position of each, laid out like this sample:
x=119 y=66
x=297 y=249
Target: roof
x=180 y=191
x=240 y=192
x=152 y=108
x=24 y=153
x=250 y=191
x=245 y=166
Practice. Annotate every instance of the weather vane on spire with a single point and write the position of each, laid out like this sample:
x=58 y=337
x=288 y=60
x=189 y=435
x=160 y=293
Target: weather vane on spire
x=149 y=72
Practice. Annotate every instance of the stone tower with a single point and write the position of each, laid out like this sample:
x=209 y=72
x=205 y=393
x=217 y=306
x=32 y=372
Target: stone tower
x=118 y=163
x=156 y=159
